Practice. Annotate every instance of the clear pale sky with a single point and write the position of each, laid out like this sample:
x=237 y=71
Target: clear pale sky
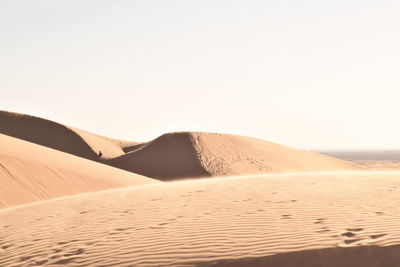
x=309 y=74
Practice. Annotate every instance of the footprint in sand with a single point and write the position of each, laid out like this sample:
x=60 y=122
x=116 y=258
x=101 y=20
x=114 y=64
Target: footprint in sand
x=6 y=246
x=323 y=230
x=319 y=221
x=126 y=212
x=25 y=258
x=40 y=262
x=76 y=252
x=66 y=242
x=350 y=233
x=377 y=236
x=65 y=258
x=159 y=226
x=354 y=229
x=64 y=261
x=350 y=241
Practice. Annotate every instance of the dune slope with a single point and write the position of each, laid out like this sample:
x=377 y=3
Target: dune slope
x=29 y=172
x=196 y=154
x=170 y=156
x=318 y=219
x=61 y=137
x=173 y=155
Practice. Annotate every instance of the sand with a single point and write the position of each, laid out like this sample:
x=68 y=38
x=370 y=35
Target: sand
x=173 y=155
x=60 y=137
x=195 y=154
x=29 y=172
x=304 y=219
x=266 y=205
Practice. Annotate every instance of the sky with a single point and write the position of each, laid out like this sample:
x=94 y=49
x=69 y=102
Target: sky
x=310 y=74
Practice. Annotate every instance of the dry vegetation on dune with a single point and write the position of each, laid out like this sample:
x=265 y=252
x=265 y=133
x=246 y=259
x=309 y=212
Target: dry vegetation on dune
x=29 y=172
x=320 y=219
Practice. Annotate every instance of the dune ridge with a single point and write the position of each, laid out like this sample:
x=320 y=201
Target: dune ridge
x=198 y=154
x=62 y=202
x=60 y=137
x=284 y=220
x=173 y=155
x=29 y=172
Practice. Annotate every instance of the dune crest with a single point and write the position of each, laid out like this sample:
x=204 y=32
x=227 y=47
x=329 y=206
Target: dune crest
x=170 y=156
x=61 y=137
x=173 y=155
x=197 y=154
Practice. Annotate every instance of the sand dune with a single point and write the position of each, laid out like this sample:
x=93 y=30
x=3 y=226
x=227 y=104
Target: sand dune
x=315 y=219
x=304 y=216
x=173 y=155
x=196 y=154
x=29 y=172
x=61 y=137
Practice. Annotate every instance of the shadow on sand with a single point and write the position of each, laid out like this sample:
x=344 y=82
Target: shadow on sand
x=363 y=256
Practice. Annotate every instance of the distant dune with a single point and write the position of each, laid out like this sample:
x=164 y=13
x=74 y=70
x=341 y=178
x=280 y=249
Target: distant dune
x=378 y=160
x=378 y=165
x=173 y=155
x=365 y=155
x=313 y=220
x=29 y=172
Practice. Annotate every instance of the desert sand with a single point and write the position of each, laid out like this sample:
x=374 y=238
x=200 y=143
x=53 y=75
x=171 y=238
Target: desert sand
x=258 y=203
x=61 y=137
x=173 y=155
x=29 y=172
x=196 y=154
x=315 y=219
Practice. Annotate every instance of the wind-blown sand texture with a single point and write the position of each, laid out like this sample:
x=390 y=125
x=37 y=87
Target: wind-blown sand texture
x=174 y=155
x=320 y=211
x=29 y=172
x=314 y=219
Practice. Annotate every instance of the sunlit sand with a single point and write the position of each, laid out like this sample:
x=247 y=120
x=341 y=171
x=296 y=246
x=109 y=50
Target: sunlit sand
x=232 y=201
